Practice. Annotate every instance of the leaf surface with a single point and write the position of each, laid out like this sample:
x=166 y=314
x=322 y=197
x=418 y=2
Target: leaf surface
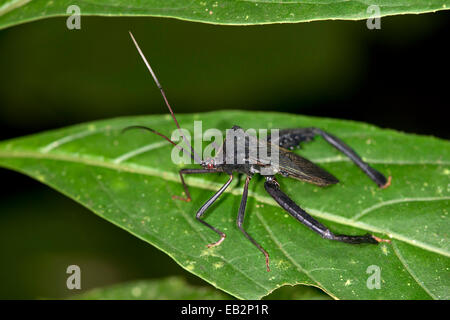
x=234 y=12
x=129 y=180
x=173 y=288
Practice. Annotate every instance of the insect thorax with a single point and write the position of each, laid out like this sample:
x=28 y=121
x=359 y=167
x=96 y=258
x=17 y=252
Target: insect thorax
x=245 y=153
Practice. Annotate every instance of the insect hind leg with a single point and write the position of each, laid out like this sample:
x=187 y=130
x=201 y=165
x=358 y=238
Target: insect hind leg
x=273 y=188
x=292 y=138
x=373 y=174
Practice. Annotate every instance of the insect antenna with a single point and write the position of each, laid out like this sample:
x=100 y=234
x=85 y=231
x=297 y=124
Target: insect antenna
x=194 y=155
x=159 y=134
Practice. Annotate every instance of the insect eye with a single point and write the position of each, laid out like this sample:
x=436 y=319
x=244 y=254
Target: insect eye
x=210 y=166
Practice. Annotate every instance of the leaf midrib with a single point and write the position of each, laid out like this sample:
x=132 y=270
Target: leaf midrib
x=204 y=184
x=12 y=5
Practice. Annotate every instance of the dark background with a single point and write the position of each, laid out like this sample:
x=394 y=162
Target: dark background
x=51 y=77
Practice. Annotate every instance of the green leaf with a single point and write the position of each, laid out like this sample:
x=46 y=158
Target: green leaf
x=298 y=292
x=233 y=12
x=176 y=288
x=173 y=288
x=129 y=180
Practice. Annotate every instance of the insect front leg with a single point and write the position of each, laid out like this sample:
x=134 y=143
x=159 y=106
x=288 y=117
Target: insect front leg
x=208 y=203
x=240 y=222
x=273 y=188
x=186 y=190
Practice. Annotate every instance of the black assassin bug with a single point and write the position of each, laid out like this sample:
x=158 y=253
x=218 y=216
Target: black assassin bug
x=290 y=165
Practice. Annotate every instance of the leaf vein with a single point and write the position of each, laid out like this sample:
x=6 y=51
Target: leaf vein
x=137 y=169
x=138 y=151
x=217 y=256
x=413 y=275
x=394 y=201
x=288 y=256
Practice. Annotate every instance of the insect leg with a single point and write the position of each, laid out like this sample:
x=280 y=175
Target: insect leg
x=373 y=174
x=208 y=203
x=240 y=221
x=301 y=215
x=290 y=138
x=186 y=190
